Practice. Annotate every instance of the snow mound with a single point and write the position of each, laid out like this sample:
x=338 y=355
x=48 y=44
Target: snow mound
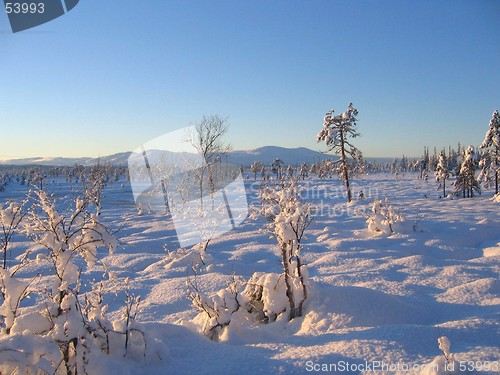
x=480 y=292
x=492 y=251
x=370 y=308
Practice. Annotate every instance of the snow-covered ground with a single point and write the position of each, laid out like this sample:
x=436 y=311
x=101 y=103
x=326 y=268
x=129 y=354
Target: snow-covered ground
x=374 y=299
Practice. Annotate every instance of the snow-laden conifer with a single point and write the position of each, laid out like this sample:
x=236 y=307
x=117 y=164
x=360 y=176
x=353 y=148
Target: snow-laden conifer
x=466 y=183
x=490 y=162
x=442 y=173
x=337 y=129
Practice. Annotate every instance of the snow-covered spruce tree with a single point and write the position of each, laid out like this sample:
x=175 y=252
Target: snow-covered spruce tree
x=442 y=173
x=403 y=164
x=335 y=133
x=325 y=169
x=490 y=162
x=423 y=163
x=4 y=181
x=433 y=160
x=466 y=183
x=288 y=218
x=359 y=167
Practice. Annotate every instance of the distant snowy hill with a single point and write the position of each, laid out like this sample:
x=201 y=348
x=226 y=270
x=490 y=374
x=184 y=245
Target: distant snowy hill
x=265 y=155
x=268 y=154
x=46 y=161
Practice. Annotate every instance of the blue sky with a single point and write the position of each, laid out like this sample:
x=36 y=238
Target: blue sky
x=110 y=75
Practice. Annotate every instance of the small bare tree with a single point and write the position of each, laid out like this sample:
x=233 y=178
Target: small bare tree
x=207 y=140
x=335 y=133
x=255 y=168
x=94 y=185
x=277 y=168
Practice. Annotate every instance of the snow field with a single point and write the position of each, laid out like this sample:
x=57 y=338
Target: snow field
x=373 y=296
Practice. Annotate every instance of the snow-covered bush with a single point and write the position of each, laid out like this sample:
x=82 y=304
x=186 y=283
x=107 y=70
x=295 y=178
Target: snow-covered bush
x=216 y=311
x=262 y=299
x=268 y=294
x=288 y=218
x=78 y=234
x=69 y=330
x=383 y=217
x=11 y=216
x=13 y=292
x=72 y=342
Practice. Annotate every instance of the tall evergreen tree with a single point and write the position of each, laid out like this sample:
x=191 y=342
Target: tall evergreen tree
x=442 y=173
x=490 y=161
x=466 y=183
x=424 y=162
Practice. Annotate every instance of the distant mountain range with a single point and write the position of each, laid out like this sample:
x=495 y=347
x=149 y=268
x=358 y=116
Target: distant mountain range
x=266 y=155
